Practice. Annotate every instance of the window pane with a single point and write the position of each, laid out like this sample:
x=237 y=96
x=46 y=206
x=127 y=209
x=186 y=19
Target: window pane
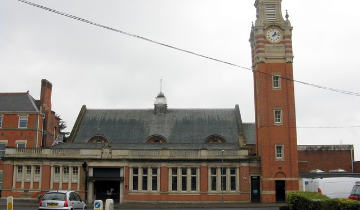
x=154 y=171
x=193 y=183
x=193 y=171
x=154 y=183
x=213 y=171
x=213 y=183
x=144 y=179
x=21 y=145
x=1 y=121
x=184 y=171
x=135 y=171
x=232 y=183
x=135 y=182
x=174 y=183
x=183 y=183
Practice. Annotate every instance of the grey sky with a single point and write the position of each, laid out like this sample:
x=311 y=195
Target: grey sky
x=103 y=69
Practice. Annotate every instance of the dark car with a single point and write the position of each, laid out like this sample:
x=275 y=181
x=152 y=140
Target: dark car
x=56 y=200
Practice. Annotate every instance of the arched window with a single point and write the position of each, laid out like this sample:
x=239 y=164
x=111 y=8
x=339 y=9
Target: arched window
x=215 y=139
x=98 y=139
x=156 y=139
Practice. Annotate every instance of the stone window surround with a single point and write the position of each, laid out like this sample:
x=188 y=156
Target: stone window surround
x=278 y=75
x=4 y=142
x=282 y=158
x=276 y=120
x=140 y=177
x=188 y=179
x=61 y=181
x=32 y=180
x=228 y=179
x=20 y=142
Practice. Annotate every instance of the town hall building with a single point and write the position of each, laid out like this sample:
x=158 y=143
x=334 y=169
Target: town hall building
x=180 y=155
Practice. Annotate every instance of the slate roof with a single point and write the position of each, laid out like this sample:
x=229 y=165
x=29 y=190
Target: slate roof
x=249 y=133
x=17 y=102
x=182 y=128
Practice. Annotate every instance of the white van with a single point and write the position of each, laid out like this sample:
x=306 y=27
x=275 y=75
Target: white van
x=333 y=187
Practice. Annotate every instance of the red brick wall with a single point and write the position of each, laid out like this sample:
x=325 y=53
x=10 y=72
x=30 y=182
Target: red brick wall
x=324 y=160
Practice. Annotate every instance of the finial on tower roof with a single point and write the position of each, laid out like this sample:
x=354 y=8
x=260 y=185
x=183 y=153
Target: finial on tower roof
x=287 y=15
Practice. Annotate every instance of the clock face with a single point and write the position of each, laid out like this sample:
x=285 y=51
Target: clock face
x=273 y=35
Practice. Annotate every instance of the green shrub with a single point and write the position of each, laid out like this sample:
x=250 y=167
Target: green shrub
x=316 y=201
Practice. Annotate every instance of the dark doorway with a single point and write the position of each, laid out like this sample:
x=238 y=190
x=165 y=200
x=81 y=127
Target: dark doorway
x=255 y=189
x=280 y=190
x=107 y=190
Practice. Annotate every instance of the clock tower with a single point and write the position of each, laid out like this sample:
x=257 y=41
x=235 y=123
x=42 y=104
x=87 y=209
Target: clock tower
x=272 y=58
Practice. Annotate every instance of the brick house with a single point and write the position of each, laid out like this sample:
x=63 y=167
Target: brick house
x=26 y=122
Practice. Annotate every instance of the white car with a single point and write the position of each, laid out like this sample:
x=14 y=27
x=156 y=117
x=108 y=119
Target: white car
x=56 y=200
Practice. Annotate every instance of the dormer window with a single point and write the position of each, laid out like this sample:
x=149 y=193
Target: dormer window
x=215 y=139
x=98 y=140
x=156 y=139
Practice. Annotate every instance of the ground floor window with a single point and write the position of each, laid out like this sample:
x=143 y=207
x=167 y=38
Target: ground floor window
x=184 y=179
x=144 y=179
x=223 y=179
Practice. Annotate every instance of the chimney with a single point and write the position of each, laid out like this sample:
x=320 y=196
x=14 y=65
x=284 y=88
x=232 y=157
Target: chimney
x=45 y=95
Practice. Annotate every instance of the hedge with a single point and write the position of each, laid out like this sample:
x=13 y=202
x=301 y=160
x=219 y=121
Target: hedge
x=316 y=201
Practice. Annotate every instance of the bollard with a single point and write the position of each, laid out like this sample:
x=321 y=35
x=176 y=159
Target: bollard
x=98 y=205
x=109 y=204
x=10 y=203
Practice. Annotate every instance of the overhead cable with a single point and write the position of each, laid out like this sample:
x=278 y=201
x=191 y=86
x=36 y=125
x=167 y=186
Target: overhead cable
x=184 y=50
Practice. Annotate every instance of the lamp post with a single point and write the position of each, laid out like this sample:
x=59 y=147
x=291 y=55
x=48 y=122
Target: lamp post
x=221 y=175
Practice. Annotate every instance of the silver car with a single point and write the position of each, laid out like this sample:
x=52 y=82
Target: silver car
x=61 y=199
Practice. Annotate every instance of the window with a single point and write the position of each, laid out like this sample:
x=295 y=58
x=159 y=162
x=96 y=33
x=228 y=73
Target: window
x=223 y=179
x=174 y=179
x=2 y=148
x=144 y=179
x=279 y=152
x=154 y=178
x=270 y=12
x=278 y=116
x=23 y=121
x=193 y=179
x=213 y=172
x=1 y=117
x=276 y=81
x=183 y=179
x=135 y=177
x=66 y=174
x=215 y=139
x=19 y=173
x=232 y=179
x=28 y=173
x=37 y=173
x=21 y=145
x=75 y=173
x=56 y=173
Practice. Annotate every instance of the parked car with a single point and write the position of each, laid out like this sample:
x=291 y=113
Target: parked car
x=56 y=200
x=355 y=192
x=333 y=187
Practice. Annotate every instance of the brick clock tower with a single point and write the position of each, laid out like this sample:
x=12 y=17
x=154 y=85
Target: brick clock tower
x=272 y=59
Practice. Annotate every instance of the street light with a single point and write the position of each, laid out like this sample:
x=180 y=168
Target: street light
x=221 y=175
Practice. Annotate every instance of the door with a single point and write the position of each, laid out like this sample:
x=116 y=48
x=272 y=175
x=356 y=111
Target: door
x=255 y=189
x=280 y=190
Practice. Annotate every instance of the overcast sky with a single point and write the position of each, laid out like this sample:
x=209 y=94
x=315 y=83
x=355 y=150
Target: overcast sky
x=102 y=69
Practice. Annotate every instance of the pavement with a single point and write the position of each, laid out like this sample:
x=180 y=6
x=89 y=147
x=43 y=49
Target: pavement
x=32 y=204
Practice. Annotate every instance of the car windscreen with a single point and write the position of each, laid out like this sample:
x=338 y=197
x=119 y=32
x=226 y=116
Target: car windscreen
x=54 y=196
x=356 y=190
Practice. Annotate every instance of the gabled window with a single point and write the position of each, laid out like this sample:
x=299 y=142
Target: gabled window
x=98 y=139
x=23 y=121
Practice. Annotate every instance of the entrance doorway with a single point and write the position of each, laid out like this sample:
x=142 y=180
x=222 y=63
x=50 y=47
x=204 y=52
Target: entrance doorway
x=107 y=190
x=280 y=190
x=255 y=189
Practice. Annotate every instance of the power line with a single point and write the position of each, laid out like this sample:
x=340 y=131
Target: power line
x=183 y=50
